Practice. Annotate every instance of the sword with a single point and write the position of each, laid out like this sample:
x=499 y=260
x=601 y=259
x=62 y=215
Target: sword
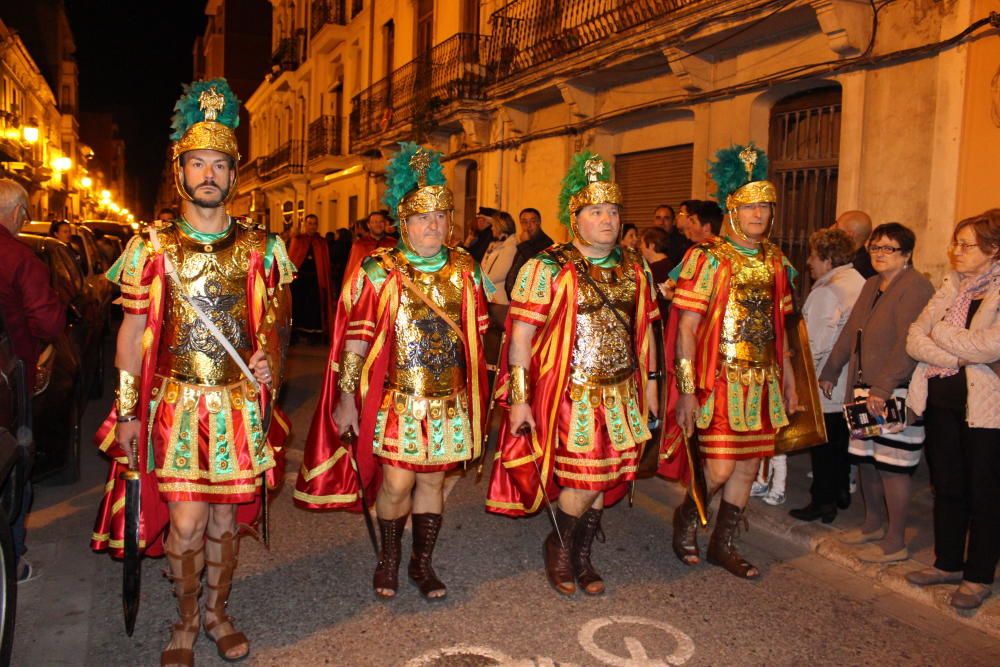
x=348 y=438
x=489 y=410
x=699 y=488
x=524 y=431
x=132 y=565
x=265 y=514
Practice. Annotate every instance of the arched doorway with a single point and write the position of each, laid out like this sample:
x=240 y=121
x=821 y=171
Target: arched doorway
x=804 y=152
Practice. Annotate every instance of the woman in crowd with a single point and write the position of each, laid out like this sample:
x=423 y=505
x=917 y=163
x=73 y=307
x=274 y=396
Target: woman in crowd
x=888 y=304
x=957 y=342
x=835 y=288
x=630 y=236
x=500 y=253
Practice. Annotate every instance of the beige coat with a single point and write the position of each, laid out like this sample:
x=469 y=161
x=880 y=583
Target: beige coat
x=934 y=342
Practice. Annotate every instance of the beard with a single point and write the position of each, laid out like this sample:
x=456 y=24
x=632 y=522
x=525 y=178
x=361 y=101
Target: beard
x=204 y=200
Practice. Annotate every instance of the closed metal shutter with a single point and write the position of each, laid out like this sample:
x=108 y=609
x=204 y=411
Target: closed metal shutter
x=651 y=178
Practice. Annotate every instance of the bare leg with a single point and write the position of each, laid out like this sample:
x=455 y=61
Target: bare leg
x=428 y=495
x=428 y=503
x=577 y=501
x=187 y=534
x=873 y=493
x=897 y=502
x=737 y=487
x=221 y=551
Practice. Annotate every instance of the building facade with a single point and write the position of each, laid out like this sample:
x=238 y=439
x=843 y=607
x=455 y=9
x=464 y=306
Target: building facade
x=888 y=108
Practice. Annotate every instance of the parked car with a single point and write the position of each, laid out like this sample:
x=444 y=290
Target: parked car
x=70 y=364
x=114 y=236
x=15 y=461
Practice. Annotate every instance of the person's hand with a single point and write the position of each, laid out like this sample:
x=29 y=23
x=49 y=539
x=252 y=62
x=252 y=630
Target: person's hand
x=125 y=432
x=791 y=396
x=666 y=289
x=520 y=415
x=653 y=397
x=826 y=387
x=345 y=414
x=261 y=369
x=876 y=406
x=687 y=412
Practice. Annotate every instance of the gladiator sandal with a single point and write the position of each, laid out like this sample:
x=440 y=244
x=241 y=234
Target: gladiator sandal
x=185 y=575
x=387 y=570
x=557 y=550
x=721 y=548
x=425 y=533
x=226 y=548
x=587 y=528
x=685 y=539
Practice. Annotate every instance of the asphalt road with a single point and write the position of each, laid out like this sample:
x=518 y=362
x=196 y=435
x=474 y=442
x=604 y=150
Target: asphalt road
x=308 y=601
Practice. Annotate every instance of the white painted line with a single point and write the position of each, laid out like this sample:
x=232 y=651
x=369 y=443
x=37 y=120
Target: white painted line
x=637 y=652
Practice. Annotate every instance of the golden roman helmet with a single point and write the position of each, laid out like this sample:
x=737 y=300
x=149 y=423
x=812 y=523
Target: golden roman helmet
x=739 y=173
x=416 y=172
x=205 y=118
x=587 y=183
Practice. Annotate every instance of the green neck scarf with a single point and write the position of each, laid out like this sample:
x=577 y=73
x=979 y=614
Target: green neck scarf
x=202 y=237
x=749 y=252
x=430 y=264
x=609 y=261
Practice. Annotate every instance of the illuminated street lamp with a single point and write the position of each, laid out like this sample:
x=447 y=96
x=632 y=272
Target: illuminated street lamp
x=106 y=195
x=30 y=133
x=115 y=207
x=62 y=163
x=87 y=182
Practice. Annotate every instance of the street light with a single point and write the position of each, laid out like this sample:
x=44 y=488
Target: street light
x=30 y=133
x=106 y=195
x=87 y=182
x=62 y=163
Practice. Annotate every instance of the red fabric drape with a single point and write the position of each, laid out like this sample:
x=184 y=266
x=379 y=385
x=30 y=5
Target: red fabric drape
x=297 y=252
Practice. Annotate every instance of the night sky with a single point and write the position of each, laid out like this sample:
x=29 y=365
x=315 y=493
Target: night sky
x=133 y=58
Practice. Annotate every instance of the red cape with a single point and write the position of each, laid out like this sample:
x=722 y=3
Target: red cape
x=297 y=251
x=515 y=487
x=363 y=247
x=673 y=461
x=327 y=479
x=109 y=528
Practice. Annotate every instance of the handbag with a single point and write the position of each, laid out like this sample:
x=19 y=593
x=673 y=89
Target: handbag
x=861 y=423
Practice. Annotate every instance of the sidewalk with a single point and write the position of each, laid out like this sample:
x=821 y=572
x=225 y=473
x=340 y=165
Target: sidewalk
x=822 y=538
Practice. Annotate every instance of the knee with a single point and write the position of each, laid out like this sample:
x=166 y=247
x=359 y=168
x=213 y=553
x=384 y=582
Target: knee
x=430 y=482
x=396 y=489
x=187 y=529
x=223 y=519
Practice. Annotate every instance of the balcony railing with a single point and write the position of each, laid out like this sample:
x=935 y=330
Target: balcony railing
x=324 y=137
x=287 y=159
x=288 y=54
x=324 y=12
x=528 y=33
x=456 y=69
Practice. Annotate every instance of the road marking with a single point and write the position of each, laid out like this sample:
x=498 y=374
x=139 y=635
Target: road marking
x=502 y=659
x=637 y=652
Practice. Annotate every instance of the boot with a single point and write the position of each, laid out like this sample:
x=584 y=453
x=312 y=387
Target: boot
x=185 y=573
x=587 y=528
x=425 y=533
x=387 y=570
x=222 y=554
x=685 y=539
x=557 y=550
x=721 y=547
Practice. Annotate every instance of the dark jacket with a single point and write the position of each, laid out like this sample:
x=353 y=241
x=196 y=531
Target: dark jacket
x=863 y=263
x=525 y=251
x=30 y=307
x=481 y=243
x=677 y=245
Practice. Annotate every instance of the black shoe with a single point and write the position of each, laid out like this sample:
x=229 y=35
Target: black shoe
x=812 y=511
x=843 y=499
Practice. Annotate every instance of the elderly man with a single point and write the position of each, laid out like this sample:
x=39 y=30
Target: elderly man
x=406 y=375
x=734 y=383
x=858 y=226
x=193 y=376
x=31 y=312
x=575 y=377
x=481 y=236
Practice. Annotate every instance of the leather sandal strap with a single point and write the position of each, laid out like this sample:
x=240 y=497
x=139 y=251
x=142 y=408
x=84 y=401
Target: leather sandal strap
x=177 y=656
x=228 y=642
x=220 y=618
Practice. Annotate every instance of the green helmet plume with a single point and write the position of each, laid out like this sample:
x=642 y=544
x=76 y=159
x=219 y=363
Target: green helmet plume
x=401 y=177
x=577 y=179
x=730 y=173
x=187 y=110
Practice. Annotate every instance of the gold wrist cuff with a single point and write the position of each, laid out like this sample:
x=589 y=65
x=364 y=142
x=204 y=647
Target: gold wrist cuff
x=518 y=385
x=127 y=394
x=350 y=371
x=684 y=369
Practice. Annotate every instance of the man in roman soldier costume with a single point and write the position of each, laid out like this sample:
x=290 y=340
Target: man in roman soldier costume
x=195 y=376
x=406 y=374
x=734 y=385
x=575 y=378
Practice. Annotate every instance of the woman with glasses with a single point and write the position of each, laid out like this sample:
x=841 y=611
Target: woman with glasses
x=873 y=346
x=957 y=342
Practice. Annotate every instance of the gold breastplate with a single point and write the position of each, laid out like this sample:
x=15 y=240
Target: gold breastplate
x=748 y=324
x=214 y=276
x=428 y=355
x=603 y=350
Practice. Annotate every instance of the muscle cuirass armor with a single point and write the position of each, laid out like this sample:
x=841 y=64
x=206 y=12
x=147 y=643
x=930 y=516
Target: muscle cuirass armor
x=602 y=349
x=748 y=326
x=214 y=275
x=428 y=358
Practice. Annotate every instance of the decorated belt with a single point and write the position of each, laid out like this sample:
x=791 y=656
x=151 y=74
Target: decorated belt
x=582 y=378
x=188 y=394
x=206 y=382
x=601 y=392
x=747 y=372
x=419 y=407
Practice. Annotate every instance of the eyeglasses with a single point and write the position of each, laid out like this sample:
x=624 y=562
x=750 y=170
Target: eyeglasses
x=883 y=249
x=961 y=246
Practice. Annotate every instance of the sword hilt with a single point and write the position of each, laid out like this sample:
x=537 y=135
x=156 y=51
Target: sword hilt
x=133 y=466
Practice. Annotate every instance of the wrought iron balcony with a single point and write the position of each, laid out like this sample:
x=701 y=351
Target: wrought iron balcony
x=324 y=12
x=288 y=54
x=528 y=33
x=456 y=69
x=287 y=159
x=324 y=137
